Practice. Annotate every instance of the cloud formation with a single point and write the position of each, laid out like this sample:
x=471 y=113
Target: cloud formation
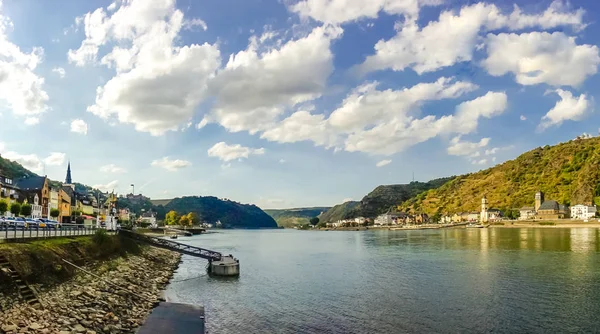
x=226 y=153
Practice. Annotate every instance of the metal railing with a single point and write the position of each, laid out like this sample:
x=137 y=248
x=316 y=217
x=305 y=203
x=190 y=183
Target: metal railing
x=174 y=246
x=14 y=232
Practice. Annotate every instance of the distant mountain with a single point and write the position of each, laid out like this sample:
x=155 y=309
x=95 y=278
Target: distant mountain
x=13 y=169
x=568 y=173
x=380 y=200
x=296 y=216
x=340 y=211
x=211 y=209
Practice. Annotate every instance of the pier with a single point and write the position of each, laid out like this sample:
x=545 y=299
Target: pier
x=219 y=264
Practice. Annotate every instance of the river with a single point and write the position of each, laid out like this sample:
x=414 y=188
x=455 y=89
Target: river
x=443 y=281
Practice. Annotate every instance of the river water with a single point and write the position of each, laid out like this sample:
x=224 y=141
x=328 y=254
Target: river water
x=430 y=281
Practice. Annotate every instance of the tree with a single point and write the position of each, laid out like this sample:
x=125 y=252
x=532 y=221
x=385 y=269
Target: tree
x=26 y=210
x=171 y=218
x=314 y=221
x=54 y=213
x=194 y=219
x=3 y=207
x=15 y=209
x=185 y=220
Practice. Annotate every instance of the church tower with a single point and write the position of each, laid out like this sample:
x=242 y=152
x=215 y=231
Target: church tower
x=68 y=179
x=483 y=217
x=539 y=199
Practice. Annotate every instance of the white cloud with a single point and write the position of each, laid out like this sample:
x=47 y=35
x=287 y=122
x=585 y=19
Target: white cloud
x=397 y=134
x=523 y=118
x=383 y=163
x=541 y=57
x=55 y=159
x=107 y=187
x=366 y=105
x=32 y=161
x=60 y=71
x=228 y=153
x=20 y=87
x=191 y=24
x=491 y=151
x=453 y=37
x=158 y=83
x=462 y=148
x=32 y=120
x=79 y=126
x=281 y=161
x=480 y=162
x=568 y=108
x=29 y=161
x=171 y=165
x=112 y=168
x=255 y=88
x=342 y=11
x=301 y=126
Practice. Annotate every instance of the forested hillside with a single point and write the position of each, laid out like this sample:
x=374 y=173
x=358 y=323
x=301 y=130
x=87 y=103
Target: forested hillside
x=568 y=173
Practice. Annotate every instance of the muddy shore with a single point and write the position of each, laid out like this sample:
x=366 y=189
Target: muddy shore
x=117 y=301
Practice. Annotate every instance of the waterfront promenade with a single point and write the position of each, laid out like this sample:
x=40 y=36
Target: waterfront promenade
x=12 y=234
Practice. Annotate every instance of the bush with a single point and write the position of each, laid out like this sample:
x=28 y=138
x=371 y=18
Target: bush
x=547 y=223
x=15 y=209
x=101 y=238
x=3 y=207
x=26 y=210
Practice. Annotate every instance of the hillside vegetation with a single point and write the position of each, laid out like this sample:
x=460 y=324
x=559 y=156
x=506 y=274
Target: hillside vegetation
x=380 y=200
x=568 y=173
x=209 y=209
x=296 y=216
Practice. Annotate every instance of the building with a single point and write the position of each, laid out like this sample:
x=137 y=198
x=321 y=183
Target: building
x=64 y=206
x=483 y=216
x=543 y=209
x=36 y=208
x=581 y=211
x=473 y=216
x=36 y=185
x=148 y=217
x=9 y=191
x=494 y=215
x=526 y=212
x=384 y=219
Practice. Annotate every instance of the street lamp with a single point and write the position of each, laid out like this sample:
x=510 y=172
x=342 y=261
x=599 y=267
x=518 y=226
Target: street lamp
x=132 y=189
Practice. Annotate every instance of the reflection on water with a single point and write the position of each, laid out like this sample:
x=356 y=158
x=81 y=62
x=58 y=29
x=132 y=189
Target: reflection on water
x=442 y=281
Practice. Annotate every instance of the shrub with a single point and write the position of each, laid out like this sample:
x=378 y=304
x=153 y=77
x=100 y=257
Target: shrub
x=101 y=238
x=547 y=223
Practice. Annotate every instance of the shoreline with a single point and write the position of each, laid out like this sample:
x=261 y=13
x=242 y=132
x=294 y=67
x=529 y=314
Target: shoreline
x=129 y=288
x=433 y=227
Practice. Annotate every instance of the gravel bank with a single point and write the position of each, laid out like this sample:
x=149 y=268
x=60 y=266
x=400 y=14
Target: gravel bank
x=87 y=304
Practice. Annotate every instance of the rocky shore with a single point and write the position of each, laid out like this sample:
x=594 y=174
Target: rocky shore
x=88 y=304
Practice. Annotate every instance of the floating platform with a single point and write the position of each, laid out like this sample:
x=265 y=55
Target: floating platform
x=173 y=318
x=226 y=266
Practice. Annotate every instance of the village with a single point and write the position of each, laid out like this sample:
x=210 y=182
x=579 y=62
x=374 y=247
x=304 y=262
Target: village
x=543 y=210
x=62 y=203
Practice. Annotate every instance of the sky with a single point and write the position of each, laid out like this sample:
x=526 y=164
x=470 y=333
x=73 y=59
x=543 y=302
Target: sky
x=289 y=103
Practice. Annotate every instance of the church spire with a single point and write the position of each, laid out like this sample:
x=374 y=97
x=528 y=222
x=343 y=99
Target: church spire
x=68 y=179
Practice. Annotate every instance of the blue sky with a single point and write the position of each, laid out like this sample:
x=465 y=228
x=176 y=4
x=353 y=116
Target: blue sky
x=290 y=103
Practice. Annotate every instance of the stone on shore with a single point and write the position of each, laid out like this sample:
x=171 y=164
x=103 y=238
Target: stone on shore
x=117 y=303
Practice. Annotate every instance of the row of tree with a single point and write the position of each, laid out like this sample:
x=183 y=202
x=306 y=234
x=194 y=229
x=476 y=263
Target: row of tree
x=173 y=218
x=22 y=209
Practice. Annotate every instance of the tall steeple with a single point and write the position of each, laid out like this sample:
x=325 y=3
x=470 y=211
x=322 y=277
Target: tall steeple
x=68 y=179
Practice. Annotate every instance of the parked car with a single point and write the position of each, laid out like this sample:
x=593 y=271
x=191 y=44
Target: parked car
x=32 y=223
x=50 y=223
x=3 y=222
x=19 y=222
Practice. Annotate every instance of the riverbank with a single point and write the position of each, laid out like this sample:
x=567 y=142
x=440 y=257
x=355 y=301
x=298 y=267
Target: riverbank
x=115 y=299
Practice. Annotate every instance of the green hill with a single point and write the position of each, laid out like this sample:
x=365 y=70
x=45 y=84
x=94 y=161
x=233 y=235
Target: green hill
x=296 y=216
x=380 y=200
x=340 y=211
x=568 y=173
x=209 y=209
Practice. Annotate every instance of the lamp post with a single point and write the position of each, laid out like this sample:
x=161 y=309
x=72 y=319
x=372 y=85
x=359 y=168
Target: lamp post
x=132 y=189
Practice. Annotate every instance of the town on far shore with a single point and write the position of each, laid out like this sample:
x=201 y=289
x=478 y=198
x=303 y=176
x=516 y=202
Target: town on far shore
x=542 y=210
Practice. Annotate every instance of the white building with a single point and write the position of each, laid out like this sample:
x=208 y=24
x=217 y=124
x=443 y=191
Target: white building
x=581 y=211
x=36 y=208
x=526 y=212
x=384 y=219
